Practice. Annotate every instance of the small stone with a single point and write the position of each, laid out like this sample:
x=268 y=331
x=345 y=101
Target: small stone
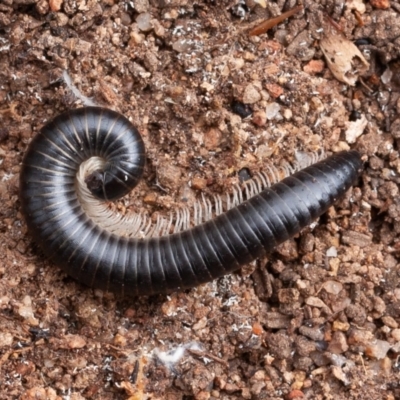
x=313 y=333
x=231 y=388
x=280 y=345
x=246 y=394
x=338 y=344
x=271 y=69
x=236 y=63
x=356 y=238
x=198 y=183
x=120 y=340
x=257 y=328
x=248 y=56
x=182 y=45
x=356 y=313
x=390 y=321
x=61 y=19
x=315 y=302
x=276 y=320
x=144 y=22
x=202 y=323
x=169 y=174
x=125 y=19
x=295 y=394
x=241 y=109
x=337 y=359
x=74 y=342
x=135 y=39
x=314 y=67
x=379 y=307
x=220 y=382
x=386 y=77
x=288 y=250
x=274 y=90
x=257 y=388
x=169 y=307
x=259 y=118
x=35 y=393
x=208 y=87
x=55 y=5
x=212 y=138
x=380 y=4
x=333 y=287
x=287 y=114
x=6 y=339
x=331 y=252
x=396 y=334
x=25 y=310
x=377 y=349
x=357 y=336
x=251 y=95
x=288 y=295
x=174 y=91
x=355 y=129
x=151 y=199
x=340 y=326
x=304 y=346
x=141 y=6
x=159 y=30
x=42 y=7
x=25 y=368
x=203 y=395
x=339 y=374
x=272 y=110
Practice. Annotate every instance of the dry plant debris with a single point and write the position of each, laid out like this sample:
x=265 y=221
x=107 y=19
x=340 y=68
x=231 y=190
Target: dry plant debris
x=343 y=58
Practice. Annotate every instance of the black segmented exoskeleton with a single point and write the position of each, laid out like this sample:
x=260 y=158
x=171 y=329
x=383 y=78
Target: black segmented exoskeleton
x=149 y=265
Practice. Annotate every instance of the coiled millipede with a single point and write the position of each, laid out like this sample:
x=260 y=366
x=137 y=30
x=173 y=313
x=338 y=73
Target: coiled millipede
x=61 y=212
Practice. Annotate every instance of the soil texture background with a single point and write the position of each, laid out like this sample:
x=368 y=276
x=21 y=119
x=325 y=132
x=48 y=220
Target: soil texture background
x=320 y=317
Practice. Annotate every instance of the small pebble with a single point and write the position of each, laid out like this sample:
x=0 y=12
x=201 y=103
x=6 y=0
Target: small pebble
x=390 y=321
x=182 y=45
x=272 y=110
x=331 y=252
x=198 y=183
x=295 y=394
x=340 y=326
x=6 y=339
x=259 y=118
x=141 y=6
x=212 y=138
x=396 y=334
x=314 y=67
x=74 y=342
x=339 y=374
x=274 y=90
x=243 y=110
x=377 y=349
x=144 y=22
x=338 y=343
x=55 y=5
x=333 y=287
x=380 y=4
x=315 y=302
x=251 y=95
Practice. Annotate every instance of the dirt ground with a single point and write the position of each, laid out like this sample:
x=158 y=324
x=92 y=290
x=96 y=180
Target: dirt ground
x=320 y=317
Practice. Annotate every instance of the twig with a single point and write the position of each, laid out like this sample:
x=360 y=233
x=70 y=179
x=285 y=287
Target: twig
x=270 y=23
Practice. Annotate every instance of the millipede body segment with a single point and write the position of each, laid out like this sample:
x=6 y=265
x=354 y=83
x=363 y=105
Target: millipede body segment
x=103 y=259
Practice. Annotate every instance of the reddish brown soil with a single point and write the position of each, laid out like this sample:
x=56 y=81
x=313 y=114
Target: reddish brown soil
x=318 y=319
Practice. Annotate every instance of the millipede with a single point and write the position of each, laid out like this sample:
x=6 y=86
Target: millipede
x=88 y=156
